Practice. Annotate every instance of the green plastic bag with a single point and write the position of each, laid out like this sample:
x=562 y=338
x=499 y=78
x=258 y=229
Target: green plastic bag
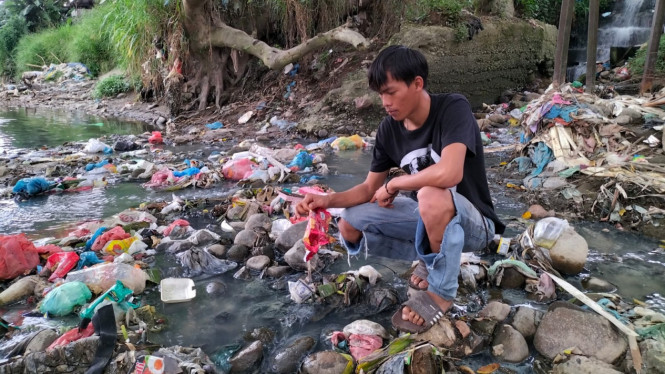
x=63 y=299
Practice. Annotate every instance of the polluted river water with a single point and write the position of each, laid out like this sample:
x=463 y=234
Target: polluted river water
x=218 y=321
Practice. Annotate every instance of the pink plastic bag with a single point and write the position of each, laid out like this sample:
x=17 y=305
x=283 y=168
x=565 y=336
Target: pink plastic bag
x=62 y=262
x=49 y=248
x=178 y=222
x=155 y=138
x=239 y=169
x=17 y=256
x=361 y=345
x=316 y=233
x=116 y=233
x=161 y=178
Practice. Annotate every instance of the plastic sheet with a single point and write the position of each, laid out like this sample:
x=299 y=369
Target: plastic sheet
x=32 y=186
x=116 y=233
x=60 y=264
x=178 y=222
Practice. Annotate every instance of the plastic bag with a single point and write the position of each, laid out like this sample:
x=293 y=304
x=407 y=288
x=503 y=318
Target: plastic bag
x=91 y=241
x=239 y=169
x=100 y=278
x=116 y=233
x=63 y=299
x=348 y=143
x=547 y=231
x=88 y=258
x=17 y=256
x=155 y=138
x=316 y=233
x=49 y=248
x=301 y=161
x=92 y=165
x=116 y=247
x=178 y=222
x=161 y=178
x=187 y=172
x=72 y=336
x=96 y=146
x=60 y=264
x=215 y=125
x=32 y=186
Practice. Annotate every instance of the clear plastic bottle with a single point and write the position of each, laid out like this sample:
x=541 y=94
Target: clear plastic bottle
x=103 y=276
x=548 y=230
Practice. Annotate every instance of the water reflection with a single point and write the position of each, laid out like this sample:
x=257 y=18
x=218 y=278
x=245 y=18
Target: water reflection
x=31 y=128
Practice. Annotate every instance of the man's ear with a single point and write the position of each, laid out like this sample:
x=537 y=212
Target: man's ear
x=419 y=82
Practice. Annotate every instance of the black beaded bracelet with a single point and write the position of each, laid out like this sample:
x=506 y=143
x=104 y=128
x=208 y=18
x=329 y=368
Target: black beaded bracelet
x=385 y=185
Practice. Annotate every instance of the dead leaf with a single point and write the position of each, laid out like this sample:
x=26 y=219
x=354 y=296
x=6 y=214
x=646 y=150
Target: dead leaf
x=487 y=369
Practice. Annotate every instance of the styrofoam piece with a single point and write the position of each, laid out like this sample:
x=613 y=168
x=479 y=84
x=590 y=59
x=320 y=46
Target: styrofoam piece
x=177 y=290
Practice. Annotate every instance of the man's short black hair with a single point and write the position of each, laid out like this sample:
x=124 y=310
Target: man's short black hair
x=404 y=64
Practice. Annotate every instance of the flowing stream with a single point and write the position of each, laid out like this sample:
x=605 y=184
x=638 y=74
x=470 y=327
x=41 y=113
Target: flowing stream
x=628 y=260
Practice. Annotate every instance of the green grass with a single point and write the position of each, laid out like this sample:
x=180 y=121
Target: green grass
x=111 y=86
x=637 y=63
x=10 y=34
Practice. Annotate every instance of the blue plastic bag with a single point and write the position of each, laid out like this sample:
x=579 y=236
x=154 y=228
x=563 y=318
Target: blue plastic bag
x=301 y=161
x=32 y=186
x=215 y=125
x=88 y=258
x=92 y=165
x=541 y=156
x=91 y=241
x=188 y=172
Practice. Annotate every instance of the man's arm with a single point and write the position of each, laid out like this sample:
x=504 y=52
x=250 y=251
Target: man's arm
x=447 y=173
x=356 y=195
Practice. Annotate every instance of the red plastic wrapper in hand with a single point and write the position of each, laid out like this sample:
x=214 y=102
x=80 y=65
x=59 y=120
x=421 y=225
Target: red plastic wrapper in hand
x=316 y=233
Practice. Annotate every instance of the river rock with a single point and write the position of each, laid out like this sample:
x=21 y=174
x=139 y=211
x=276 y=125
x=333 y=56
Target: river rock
x=277 y=271
x=290 y=236
x=247 y=358
x=259 y=220
x=242 y=273
x=593 y=284
x=365 y=327
x=246 y=238
x=326 y=362
x=258 y=262
x=509 y=345
x=217 y=250
x=584 y=365
x=537 y=212
x=565 y=326
x=287 y=359
x=526 y=321
x=41 y=341
x=512 y=279
x=264 y=334
x=237 y=253
x=266 y=250
x=216 y=288
x=442 y=334
x=295 y=257
x=495 y=310
x=569 y=253
x=484 y=326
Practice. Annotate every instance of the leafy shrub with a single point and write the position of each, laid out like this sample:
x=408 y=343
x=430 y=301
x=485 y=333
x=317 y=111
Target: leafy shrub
x=549 y=10
x=637 y=63
x=111 y=86
x=10 y=34
x=43 y=48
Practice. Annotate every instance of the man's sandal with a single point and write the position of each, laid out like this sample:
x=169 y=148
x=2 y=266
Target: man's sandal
x=422 y=304
x=421 y=272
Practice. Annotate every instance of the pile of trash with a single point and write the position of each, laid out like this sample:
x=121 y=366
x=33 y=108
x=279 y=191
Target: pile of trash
x=57 y=73
x=568 y=134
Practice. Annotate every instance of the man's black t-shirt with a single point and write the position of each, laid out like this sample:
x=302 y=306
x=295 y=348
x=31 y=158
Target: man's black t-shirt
x=450 y=121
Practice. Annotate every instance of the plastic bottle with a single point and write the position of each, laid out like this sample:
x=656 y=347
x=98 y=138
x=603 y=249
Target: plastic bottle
x=548 y=230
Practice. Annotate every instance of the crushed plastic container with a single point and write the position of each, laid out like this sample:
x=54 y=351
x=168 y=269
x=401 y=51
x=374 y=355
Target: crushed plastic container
x=102 y=277
x=177 y=290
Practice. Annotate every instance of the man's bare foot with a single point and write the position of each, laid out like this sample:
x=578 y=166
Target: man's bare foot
x=420 y=283
x=413 y=317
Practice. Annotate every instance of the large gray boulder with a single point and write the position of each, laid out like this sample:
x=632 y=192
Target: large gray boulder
x=290 y=236
x=526 y=321
x=509 y=345
x=566 y=326
x=295 y=257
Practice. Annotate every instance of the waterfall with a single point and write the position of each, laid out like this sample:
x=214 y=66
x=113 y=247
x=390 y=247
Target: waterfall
x=628 y=25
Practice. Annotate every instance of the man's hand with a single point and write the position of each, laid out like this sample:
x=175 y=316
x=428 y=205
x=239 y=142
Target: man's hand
x=383 y=198
x=311 y=202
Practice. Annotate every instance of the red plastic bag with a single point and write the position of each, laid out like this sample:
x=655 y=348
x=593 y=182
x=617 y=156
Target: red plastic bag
x=49 y=249
x=155 y=138
x=72 y=336
x=178 y=222
x=116 y=233
x=62 y=262
x=17 y=255
x=316 y=233
x=239 y=169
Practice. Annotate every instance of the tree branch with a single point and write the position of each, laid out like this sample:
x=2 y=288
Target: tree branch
x=274 y=58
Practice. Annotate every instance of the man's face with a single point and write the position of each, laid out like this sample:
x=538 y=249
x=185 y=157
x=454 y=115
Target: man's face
x=400 y=100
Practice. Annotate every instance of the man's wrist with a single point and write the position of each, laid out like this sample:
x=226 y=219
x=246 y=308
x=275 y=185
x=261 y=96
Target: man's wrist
x=385 y=185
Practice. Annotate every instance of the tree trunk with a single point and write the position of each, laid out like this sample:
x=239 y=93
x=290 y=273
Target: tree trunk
x=219 y=53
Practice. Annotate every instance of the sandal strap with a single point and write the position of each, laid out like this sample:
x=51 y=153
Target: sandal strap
x=421 y=303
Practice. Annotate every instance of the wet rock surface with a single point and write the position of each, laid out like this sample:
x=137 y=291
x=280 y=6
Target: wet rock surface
x=287 y=359
x=326 y=362
x=584 y=365
x=247 y=358
x=509 y=345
